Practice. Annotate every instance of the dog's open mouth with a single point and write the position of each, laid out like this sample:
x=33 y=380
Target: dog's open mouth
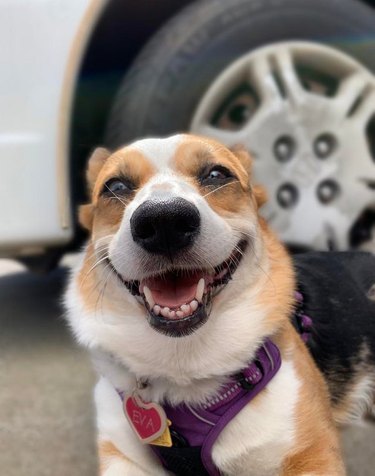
x=179 y=301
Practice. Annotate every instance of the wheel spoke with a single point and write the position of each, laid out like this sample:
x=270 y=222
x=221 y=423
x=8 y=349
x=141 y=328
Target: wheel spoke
x=366 y=108
x=350 y=92
x=263 y=79
x=286 y=70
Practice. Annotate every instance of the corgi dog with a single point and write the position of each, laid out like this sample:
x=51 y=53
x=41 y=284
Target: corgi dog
x=215 y=352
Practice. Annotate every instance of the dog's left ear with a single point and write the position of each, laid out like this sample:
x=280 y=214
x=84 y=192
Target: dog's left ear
x=244 y=157
x=259 y=192
x=260 y=195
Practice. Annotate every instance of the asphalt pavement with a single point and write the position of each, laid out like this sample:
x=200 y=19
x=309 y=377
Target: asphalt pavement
x=46 y=411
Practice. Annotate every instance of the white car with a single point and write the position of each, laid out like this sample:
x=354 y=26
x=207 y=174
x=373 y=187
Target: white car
x=290 y=79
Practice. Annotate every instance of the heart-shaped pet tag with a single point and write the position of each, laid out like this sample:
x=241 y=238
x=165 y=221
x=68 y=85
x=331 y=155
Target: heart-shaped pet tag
x=148 y=420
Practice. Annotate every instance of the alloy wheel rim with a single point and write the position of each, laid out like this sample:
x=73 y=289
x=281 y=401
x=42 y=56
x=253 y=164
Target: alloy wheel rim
x=306 y=113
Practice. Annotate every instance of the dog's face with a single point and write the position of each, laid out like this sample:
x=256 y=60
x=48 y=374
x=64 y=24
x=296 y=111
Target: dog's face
x=173 y=219
x=179 y=261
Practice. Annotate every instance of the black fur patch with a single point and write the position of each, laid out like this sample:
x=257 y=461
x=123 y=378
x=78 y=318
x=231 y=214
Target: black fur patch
x=335 y=288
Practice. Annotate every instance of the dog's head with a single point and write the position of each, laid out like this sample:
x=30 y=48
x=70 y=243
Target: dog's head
x=176 y=240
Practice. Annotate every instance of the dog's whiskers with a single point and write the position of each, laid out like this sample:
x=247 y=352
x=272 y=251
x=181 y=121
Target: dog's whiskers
x=94 y=266
x=216 y=189
x=104 y=283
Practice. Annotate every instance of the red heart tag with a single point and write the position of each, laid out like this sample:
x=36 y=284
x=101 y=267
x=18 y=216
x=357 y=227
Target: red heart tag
x=148 y=420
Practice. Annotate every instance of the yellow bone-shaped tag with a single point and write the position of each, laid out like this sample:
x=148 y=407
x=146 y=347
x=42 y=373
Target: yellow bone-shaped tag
x=164 y=439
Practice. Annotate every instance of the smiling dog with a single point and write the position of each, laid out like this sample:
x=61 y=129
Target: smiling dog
x=188 y=303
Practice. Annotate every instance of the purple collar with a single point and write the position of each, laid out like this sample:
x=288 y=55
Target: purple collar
x=199 y=427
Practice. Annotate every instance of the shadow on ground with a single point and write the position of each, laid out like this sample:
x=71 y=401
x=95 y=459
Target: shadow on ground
x=46 y=412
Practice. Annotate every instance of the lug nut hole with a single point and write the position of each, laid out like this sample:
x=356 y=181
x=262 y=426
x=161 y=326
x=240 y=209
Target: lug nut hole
x=284 y=148
x=324 y=145
x=327 y=191
x=287 y=195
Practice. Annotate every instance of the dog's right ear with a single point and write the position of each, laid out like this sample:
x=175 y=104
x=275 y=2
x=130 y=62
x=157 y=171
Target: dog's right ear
x=95 y=164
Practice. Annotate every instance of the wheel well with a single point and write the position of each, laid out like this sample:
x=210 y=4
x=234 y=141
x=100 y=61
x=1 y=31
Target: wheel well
x=121 y=31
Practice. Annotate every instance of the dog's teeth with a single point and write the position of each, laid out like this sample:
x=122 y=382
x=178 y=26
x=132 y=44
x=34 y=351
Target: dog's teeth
x=179 y=314
x=172 y=314
x=194 y=305
x=200 y=290
x=165 y=311
x=185 y=308
x=148 y=296
x=156 y=309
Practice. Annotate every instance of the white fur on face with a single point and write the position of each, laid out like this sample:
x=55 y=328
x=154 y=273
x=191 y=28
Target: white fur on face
x=159 y=152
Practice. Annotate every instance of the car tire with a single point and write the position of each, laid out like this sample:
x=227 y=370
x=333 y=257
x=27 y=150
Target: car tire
x=160 y=92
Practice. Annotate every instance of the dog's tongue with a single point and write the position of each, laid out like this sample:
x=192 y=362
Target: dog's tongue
x=172 y=290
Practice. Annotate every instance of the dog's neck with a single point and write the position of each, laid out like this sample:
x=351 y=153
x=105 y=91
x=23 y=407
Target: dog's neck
x=160 y=389
x=179 y=388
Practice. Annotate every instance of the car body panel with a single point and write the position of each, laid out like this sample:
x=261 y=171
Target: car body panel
x=42 y=43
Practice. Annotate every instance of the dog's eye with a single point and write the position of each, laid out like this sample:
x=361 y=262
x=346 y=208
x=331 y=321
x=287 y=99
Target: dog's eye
x=116 y=186
x=217 y=175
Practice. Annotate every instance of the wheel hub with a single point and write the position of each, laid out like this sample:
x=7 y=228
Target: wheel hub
x=304 y=111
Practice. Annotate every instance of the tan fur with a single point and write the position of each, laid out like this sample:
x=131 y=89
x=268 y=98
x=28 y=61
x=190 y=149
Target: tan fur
x=128 y=162
x=317 y=450
x=105 y=214
x=278 y=295
x=107 y=453
x=93 y=281
x=192 y=156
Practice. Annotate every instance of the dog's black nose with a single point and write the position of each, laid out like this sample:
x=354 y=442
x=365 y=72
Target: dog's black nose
x=165 y=227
